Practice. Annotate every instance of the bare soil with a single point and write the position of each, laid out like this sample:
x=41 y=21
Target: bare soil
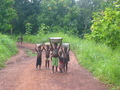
x=20 y=74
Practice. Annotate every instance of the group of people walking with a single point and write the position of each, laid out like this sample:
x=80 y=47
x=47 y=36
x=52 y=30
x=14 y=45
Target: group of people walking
x=55 y=53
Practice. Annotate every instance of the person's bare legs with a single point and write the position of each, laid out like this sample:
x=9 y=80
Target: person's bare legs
x=56 y=68
x=48 y=64
x=66 y=67
x=60 y=70
x=39 y=67
x=52 y=69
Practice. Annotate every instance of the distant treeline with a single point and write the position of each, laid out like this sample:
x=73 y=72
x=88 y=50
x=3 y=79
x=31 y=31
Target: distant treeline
x=69 y=16
x=98 y=18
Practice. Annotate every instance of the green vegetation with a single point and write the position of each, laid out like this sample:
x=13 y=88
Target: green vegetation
x=106 y=26
x=97 y=20
x=27 y=16
x=29 y=53
x=7 y=49
x=7 y=13
x=98 y=58
x=28 y=28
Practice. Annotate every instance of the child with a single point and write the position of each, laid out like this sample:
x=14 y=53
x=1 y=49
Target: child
x=47 y=54
x=54 y=57
x=66 y=58
x=39 y=57
x=61 y=63
x=20 y=39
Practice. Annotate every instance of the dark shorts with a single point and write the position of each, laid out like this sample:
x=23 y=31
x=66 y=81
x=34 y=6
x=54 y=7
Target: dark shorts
x=65 y=61
x=38 y=61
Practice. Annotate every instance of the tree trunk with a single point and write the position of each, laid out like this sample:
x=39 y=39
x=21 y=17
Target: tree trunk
x=11 y=31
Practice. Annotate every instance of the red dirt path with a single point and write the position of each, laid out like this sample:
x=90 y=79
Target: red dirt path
x=20 y=74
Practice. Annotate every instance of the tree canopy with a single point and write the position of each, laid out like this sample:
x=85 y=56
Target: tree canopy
x=98 y=17
x=106 y=25
x=69 y=16
x=7 y=13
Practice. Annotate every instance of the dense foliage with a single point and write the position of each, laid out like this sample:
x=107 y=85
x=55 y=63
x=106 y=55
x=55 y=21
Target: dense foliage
x=69 y=16
x=59 y=15
x=87 y=7
x=106 y=26
x=27 y=12
x=7 y=49
x=7 y=13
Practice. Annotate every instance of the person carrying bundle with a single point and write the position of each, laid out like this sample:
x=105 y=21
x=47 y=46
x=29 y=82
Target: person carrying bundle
x=55 y=56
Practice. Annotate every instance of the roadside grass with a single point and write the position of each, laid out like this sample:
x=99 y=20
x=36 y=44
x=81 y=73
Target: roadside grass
x=102 y=61
x=7 y=49
x=30 y=53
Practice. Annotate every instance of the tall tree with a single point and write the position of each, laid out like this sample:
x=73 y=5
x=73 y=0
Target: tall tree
x=59 y=14
x=87 y=8
x=106 y=26
x=27 y=11
x=7 y=13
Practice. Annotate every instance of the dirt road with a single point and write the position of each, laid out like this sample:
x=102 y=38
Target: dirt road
x=20 y=74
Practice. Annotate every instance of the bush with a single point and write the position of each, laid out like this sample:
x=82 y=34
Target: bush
x=7 y=49
x=106 y=26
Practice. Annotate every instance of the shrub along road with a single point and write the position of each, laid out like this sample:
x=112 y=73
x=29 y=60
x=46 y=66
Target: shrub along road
x=20 y=74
